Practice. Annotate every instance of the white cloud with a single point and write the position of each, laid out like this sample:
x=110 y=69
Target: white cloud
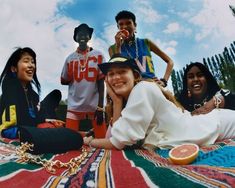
x=39 y=28
x=145 y=12
x=187 y=31
x=169 y=47
x=170 y=51
x=172 y=27
x=215 y=20
x=205 y=46
x=49 y=34
x=173 y=43
x=100 y=45
x=184 y=14
x=175 y=27
x=109 y=33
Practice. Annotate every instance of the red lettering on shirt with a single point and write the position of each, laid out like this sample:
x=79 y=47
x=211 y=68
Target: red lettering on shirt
x=90 y=73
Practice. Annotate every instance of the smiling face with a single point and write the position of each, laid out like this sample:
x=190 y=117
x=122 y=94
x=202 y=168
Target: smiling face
x=25 y=69
x=82 y=38
x=121 y=80
x=197 y=83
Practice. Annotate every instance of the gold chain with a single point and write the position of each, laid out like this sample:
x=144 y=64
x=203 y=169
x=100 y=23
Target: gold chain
x=85 y=57
x=136 y=50
x=50 y=165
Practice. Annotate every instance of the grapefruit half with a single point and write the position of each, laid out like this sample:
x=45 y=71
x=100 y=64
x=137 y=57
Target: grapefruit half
x=184 y=154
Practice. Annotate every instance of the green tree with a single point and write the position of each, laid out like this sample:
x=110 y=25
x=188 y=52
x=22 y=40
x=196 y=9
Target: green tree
x=232 y=54
x=174 y=82
x=233 y=47
x=222 y=67
x=216 y=69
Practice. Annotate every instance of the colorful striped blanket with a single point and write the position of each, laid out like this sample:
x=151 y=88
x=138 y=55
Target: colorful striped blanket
x=214 y=167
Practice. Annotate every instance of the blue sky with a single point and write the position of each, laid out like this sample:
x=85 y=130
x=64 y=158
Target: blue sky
x=187 y=30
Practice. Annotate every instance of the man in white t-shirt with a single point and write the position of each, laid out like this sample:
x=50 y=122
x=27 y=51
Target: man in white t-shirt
x=85 y=81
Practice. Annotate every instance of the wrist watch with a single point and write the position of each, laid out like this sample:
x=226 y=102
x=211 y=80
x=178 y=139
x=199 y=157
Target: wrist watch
x=164 y=81
x=224 y=92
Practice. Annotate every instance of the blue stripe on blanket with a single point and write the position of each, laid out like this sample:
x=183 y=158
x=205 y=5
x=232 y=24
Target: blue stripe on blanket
x=221 y=157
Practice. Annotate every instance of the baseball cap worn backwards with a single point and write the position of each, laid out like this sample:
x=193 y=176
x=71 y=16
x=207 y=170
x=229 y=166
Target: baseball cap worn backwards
x=118 y=60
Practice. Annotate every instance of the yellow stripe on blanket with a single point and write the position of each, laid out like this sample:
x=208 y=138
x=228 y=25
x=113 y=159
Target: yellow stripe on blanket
x=101 y=176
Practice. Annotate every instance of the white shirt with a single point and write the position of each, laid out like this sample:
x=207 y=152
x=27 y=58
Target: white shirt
x=149 y=116
x=83 y=91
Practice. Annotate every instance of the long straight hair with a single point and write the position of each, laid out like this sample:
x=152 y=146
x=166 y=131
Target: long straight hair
x=14 y=60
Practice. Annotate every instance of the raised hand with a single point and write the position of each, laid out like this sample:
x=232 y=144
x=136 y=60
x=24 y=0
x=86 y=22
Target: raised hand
x=121 y=36
x=114 y=97
x=117 y=101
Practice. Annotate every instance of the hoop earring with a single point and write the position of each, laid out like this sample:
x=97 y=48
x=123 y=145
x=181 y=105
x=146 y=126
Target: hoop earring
x=189 y=94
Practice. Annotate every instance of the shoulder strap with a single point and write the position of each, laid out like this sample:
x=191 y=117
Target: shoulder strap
x=146 y=41
x=112 y=47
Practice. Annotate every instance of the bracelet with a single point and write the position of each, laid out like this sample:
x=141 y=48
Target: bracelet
x=224 y=92
x=164 y=81
x=111 y=122
x=89 y=143
x=101 y=109
x=218 y=94
x=217 y=101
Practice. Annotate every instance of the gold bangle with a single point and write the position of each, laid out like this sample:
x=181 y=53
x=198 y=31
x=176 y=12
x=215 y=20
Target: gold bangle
x=217 y=101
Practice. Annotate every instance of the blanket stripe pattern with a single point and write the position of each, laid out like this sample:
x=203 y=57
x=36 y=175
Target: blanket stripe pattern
x=214 y=167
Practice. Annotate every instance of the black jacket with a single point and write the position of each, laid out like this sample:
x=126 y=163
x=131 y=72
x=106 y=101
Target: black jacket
x=15 y=104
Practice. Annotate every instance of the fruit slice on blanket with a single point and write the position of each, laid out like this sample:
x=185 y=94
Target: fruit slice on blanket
x=184 y=154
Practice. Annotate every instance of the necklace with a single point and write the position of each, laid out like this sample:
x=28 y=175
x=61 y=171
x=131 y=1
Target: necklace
x=136 y=49
x=195 y=105
x=29 y=104
x=141 y=67
x=84 y=60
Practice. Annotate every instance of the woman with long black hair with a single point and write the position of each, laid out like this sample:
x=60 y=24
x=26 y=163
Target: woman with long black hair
x=19 y=104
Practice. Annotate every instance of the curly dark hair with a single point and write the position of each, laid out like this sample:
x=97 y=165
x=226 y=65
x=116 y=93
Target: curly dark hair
x=211 y=82
x=125 y=14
